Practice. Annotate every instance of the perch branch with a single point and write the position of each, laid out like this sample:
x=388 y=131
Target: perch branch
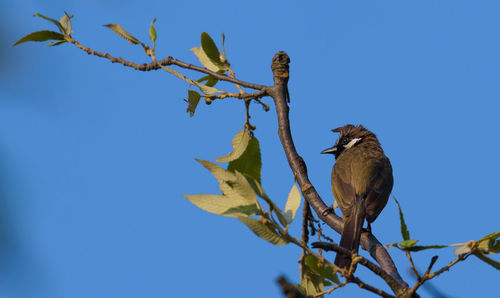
x=279 y=93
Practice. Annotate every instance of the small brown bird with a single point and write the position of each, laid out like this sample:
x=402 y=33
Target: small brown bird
x=361 y=183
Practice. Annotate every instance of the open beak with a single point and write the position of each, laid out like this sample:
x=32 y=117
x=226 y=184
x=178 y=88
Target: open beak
x=331 y=150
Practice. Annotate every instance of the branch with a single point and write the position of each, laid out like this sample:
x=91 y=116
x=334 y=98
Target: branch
x=358 y=259
x=427 y=275
x=279 y=93
x=167 y=61
x=245 y=96
x=413 y=268
x=367 y=287
x=340 y=285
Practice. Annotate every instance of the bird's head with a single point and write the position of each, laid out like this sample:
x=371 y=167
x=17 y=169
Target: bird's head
x=349 y=136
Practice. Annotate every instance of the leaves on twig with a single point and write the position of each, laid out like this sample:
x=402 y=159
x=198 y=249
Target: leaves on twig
x=203 y=88
x=193 y=100
x=240 y=143
x=404 y=229
x=323 y=268
x=249 y=163
x=292 y=204
x=263 y=231
x=152 y=31
x=218 y=204
x=489 y=244
x=312 y=282
x=57 y=23
x=65 y=22
x=116 y=28
x=43 y=35
x=209 y=55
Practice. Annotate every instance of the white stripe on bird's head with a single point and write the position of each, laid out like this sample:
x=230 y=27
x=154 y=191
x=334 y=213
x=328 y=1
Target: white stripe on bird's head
x=352 y=143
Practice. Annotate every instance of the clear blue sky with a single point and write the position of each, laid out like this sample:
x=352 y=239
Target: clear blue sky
x=94 y=157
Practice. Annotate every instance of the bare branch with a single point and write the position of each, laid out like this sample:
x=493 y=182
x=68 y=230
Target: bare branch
x=428 y=275
x=413 y=268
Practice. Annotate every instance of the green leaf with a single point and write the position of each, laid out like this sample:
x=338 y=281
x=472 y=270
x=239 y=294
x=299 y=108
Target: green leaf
x=325 y=270
x=211 y=81
x=263 y=231
x=239 y=188
x=484 y=258
x=223 y=56
x=193 y=100
x=489 y=243
x=407 y=243
x=152 y=31
x=243 y=211
x=203 y=88
x=292 y=204
x=204 y=60
x=240 y=143
x=219 y=173
x=249 y=163
x=491 y=236
x=116 y=28
x=404 y=230
x=65 y=22
x=208 y=46
x=217 y=204
x=311 y=282
x=56 y=43
x=61 y=28
x=43 y=35
x=272 y=206
x=424 y=247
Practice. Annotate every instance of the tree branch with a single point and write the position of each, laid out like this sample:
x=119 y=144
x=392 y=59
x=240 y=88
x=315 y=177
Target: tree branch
x=279 y=93
x=370 y=288
x=357 y=259
x=427 y=275
x=167 y=61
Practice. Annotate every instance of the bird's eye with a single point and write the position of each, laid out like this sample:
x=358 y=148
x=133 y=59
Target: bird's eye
x=345 y=141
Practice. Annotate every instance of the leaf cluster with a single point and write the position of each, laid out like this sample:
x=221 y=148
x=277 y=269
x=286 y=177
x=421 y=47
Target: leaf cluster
x=63 y=25
x=489 y=244
x=240 y=184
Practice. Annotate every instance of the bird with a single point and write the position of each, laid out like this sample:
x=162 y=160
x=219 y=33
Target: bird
x=362 y=181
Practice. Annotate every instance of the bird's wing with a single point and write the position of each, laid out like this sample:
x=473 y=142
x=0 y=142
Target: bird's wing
x=380 y=189
x=343 y=190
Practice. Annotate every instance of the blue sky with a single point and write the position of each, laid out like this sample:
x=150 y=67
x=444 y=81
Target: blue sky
x=94 y=157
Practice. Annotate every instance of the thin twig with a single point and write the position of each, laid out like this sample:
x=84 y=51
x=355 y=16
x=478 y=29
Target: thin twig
x=370 y=288
x=340 y=285
x=167 y=61
x=245 y=96
x=247 y=124
x=428 y=275
x=357 y=259
x=408 y=255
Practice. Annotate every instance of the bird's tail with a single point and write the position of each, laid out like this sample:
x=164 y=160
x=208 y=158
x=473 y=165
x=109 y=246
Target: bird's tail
x=353 y=224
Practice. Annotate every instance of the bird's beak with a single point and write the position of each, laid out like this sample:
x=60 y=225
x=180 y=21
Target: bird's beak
x=331 y=150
